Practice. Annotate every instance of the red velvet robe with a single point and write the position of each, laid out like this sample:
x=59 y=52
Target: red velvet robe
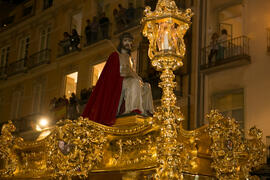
x=103 y=103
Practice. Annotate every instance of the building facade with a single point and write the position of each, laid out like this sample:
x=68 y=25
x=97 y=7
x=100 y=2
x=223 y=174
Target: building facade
x=40 y=65
x=225 y=71
x=232 y=74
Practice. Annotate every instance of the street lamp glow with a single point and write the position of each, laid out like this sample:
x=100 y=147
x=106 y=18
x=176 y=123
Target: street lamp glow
x=43 y=122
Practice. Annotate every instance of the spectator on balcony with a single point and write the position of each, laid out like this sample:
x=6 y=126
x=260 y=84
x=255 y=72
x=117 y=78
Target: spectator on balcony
x=73 y=110
x=130 y=13
x=222 y=40
x=52 y=104
x=117 y=19
x=94 y=29
x=87 y=32
x=66 y=42
x=213 y=48
x=75 y=39
x=122 y=14
x=104 y=26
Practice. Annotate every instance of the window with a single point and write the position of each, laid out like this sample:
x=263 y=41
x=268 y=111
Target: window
x=231 y=20
x=97 y=69
x=23 y=47
x=71 y=84
x=37 y=98
x=27 y=10
x=76 y=22
x=15 y=104
x=7 y=21
x=4 y=56
x=230 y=104
x=47 y=4
x=45 y=38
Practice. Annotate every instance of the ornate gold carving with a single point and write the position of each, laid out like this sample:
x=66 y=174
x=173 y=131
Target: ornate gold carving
x=6 y=150
x=75 y=148
x=233 y=156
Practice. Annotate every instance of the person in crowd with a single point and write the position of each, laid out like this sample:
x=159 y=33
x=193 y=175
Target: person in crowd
x=130 y=13
x=53 y=103
x=222 y=40
x=73 y=99
x=214 y=47
x=75 y=39
x=104 y=23
x=94 y=29
x=66 y=42
x=87 y=32
x=117 y=19
x=73 y=111
x=122 y=14
x=83 y=94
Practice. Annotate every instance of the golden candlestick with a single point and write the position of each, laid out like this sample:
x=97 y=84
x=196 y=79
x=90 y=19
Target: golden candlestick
x=165 y=28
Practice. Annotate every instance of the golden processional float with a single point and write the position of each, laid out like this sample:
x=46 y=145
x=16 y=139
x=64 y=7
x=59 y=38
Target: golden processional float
x=137 y=147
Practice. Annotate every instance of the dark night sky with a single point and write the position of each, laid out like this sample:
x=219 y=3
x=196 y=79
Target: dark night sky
x=12 y=1
x=6 y=6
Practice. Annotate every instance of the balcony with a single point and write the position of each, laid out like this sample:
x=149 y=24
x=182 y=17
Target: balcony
x=224 y=55
x=127 y=22
x=101 y=34
x=3 y=72
x=122 y=23
x=39 y=58
x=69 y=45
x=6 y=22
x=16 y=67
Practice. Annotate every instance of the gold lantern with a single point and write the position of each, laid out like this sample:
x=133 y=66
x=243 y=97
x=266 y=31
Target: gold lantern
x=165 y=28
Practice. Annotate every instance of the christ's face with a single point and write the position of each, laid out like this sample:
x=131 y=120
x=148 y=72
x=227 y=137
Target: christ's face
x=127 y=44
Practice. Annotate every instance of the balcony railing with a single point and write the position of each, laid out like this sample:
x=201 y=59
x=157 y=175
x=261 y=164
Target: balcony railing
x=39 y=58
x=68 y=46
x=3 y=72
x=16 y=67
x=225 y=52
x=124 y=23
x=101 y=34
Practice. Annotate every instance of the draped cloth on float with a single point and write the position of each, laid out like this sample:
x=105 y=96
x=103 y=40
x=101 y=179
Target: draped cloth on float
x=103 y=103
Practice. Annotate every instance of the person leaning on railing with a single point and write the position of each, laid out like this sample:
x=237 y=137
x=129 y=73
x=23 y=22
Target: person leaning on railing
x=94 y=29
x=222 y=44
x=66 y=43
x=130 y=13
x=74 y=39
x=88 y=32
x=104 y=26
x=214 y=48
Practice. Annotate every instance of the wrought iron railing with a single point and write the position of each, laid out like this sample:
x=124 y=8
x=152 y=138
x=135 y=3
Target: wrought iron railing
x=39 y=58
x=224 y=52
x=125 y=23
x=100 y=35
x=68 y=46
x=16 y=67
x=3 y=72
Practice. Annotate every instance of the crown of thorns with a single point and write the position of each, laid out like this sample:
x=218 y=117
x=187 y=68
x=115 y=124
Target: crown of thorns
x=126 y=35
